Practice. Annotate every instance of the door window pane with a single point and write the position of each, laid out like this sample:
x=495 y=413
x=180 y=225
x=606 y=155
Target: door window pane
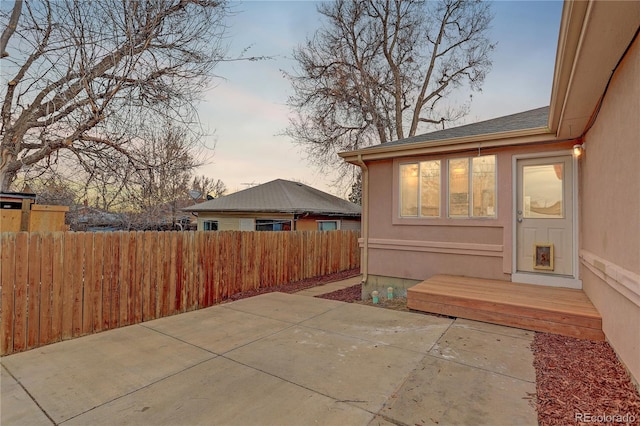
x=459 y=187
x=430 y=188
x=542 y=190
x=409 y=189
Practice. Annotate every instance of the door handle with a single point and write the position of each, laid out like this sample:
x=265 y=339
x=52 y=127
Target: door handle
x=519 y=220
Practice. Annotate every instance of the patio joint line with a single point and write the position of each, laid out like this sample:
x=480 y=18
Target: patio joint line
x=287 y=321
x=29 y=394
x=222 y=353
x=441 y=336
x=481 y=368
x=137 y=390
x=335 y=399
x=495 y=332
x=377 y=342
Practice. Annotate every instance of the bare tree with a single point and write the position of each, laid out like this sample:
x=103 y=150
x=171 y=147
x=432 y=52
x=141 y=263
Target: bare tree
x=12 y=24
x=83 y=78
x=209 y=187
x=160 y=188
x=380 y=70
x=355 y=194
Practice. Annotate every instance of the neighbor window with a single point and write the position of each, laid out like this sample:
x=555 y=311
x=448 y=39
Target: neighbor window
x=273 y=225
x=420 y=189
x=210 y=225
x=472 y=186
x=328 y=225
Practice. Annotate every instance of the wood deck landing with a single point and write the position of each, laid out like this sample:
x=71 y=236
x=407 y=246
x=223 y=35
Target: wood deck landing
x=550 y=309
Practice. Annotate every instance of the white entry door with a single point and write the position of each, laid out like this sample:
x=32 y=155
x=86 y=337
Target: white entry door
x=544 y=216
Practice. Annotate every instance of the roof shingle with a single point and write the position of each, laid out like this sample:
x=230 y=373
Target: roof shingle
x=280 y=196
x=532 y=119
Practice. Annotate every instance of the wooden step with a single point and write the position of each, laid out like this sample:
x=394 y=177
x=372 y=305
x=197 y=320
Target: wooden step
x=550 y=309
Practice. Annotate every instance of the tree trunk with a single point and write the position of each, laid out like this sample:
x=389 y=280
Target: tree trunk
x=7 y=175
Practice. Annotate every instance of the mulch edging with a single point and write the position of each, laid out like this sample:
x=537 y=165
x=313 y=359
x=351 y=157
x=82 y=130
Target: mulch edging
x=582 y=382
x=296 y=286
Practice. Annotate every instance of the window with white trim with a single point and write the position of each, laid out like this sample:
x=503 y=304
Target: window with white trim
x=472 y=187
x=210 y=225
x=328 y=225
x=273 y=225
x=420 y=189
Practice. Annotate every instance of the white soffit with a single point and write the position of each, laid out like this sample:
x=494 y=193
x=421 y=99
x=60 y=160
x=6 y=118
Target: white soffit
x=607 y=29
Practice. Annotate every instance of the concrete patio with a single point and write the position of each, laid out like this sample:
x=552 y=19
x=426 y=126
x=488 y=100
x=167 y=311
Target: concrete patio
x=278 y=359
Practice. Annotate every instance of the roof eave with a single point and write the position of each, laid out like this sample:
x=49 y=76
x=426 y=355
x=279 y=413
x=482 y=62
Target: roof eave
x=301 y=211
x=488 y=140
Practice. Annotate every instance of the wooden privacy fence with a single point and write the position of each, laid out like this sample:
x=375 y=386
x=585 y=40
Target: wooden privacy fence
x=56 y=286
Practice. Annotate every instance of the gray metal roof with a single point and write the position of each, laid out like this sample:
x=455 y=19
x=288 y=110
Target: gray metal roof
x=280 y=196
x=532 y=119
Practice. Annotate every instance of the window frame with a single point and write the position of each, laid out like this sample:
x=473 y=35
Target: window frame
x=266 y=221
x=206 y=222
x=336 y=221
x=470 y=192
x=419 y=214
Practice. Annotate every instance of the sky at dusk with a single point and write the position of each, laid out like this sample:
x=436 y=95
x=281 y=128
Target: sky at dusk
x=246 y=108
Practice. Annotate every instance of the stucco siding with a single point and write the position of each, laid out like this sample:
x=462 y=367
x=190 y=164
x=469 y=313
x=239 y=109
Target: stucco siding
x=306 y=225
x=610 y=212
x=419 y=248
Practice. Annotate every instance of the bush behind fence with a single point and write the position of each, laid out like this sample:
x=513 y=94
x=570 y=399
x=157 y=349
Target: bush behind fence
x=57 y=286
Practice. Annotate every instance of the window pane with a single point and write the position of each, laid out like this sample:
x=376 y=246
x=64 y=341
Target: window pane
x=327 y=226
x=459 y=187
x=273 y=225
x=484 y=186
x=542 y=191
x=430 y=188
x=210 y=225
x=409 y=189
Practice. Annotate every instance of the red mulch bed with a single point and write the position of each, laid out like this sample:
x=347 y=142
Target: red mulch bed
x=576 y=378
x=298 y=285
x=349 y=294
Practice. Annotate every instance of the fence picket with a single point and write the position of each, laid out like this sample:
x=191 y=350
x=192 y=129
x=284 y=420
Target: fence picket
x=20 y=294
x=97 y=282
x=136 y=289
x=33 y=292
x=7 y=282
x=87 y=283
x=46 y=288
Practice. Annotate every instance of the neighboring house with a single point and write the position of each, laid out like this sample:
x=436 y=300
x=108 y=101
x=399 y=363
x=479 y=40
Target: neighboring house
x=279 y=205
x=505 y=199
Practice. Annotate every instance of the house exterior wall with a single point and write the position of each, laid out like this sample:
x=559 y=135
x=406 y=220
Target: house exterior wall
x=411 y=249
x=311 y=223
x=350 y=225
x=232 y=221
x=609 y=176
